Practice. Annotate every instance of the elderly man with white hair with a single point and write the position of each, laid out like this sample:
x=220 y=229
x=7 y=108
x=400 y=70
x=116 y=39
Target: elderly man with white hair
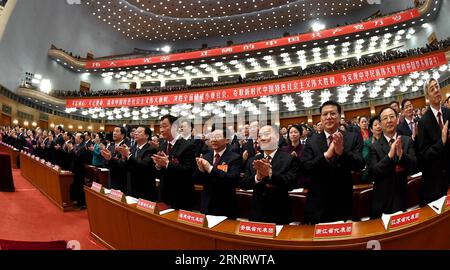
x=433 y=148
x=271 y=175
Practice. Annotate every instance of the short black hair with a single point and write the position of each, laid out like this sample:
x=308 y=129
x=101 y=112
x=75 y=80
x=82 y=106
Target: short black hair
x=332 y=103
x=404 y=101
x=172 y=119
x=372 y=121
x=123 y=130
x=60 y=128
x=147 y=131
x=394 y=101
x=386 y=108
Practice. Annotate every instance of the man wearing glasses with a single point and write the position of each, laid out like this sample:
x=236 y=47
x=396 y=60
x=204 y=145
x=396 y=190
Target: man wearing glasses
x=391 y=160
x=218 y=171
x=329 y=159
x=433 y=149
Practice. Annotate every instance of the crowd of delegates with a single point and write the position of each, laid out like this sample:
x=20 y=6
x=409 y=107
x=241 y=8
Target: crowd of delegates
x=398 y=142
x=310 y=70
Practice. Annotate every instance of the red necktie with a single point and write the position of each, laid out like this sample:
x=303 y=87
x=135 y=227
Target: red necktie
x=216 y=160
x=255 y=146
x=169 y=148
x=439 y=120
x=330 y=139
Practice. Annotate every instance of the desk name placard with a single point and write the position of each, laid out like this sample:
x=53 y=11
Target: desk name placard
x=403 y=219
x=322 y=231
x=117 y=195
x=97 y=187
x=148 y=206
x=257 y=229
x=192 y=218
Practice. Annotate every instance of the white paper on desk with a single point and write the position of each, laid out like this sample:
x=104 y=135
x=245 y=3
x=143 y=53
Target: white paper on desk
x=166 y=211
x=335 y=222
x=250 y=190
x=438 y=204
x=278 y=229
x=387 y=217
x=131 y=200
x=104 y=169
x=107 y=191
x=214 y=220
x=416 y=175
x=298 y=190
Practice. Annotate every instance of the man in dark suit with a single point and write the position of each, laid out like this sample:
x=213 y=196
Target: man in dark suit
x=79 y=157
x=328 y=159
x=408 y=125
x=251 y=147
x=89 y=145
x=186 y=129
x=57 y=145
x=140 y=166
x=392 y=158
x=271 y=175
x=175 y=164
x=218 y=171
x=433 y=148
x=114 y=161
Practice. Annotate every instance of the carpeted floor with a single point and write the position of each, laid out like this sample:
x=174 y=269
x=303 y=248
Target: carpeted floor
x=27 y=215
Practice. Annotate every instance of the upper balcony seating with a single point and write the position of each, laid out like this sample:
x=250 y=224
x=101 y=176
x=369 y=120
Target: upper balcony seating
x=311 y=70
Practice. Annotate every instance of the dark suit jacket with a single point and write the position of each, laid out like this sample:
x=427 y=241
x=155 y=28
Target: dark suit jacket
x=117 y=170
x=390 y=187
x=248 y=146
x=78 y=157
x=235 y=146
x=176 y=187
x=58 y=154
x=271 y=201
x=219 y=187
x=199 y=146
x=141 y=172
x=331 y=188
x=403 y=129
x=434 y=157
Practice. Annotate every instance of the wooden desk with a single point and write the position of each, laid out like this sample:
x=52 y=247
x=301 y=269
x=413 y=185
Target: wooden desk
x=122 y=226
x=53 y=184
x=94 y=174
x=14 y=154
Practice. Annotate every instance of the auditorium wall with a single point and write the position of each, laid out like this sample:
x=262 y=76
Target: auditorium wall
x=23 y=113
x=35 y=25
x=440 y=26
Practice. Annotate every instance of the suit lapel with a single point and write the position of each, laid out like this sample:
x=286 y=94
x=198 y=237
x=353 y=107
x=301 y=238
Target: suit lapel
x=322 y=140
x=435 y=129
x=384 y=145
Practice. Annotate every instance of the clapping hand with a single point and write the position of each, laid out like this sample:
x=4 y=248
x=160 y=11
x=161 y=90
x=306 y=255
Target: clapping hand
x=262 y=167
x=160 y=159
x=445 y=133
x=106 y=154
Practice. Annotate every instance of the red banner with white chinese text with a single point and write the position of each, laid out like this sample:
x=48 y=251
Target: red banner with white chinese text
x=313 y=83
x=261 y=45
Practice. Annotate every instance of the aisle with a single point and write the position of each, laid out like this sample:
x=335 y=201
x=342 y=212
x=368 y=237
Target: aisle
x=27 y=215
